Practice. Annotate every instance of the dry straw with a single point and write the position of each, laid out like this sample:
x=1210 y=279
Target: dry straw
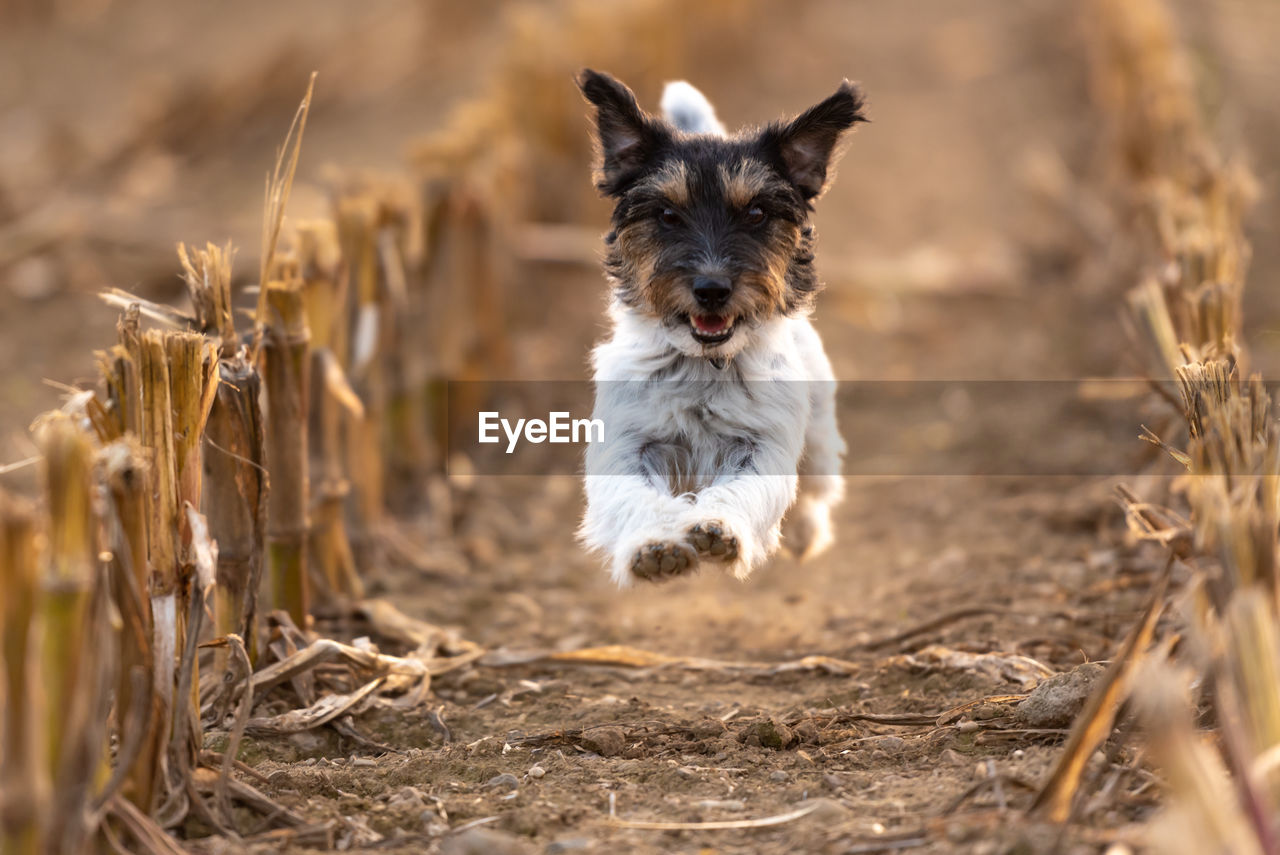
x=183 y=490
x=1187 y=208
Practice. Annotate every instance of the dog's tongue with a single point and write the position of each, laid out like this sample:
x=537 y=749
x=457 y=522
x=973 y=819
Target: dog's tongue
x=710 y=324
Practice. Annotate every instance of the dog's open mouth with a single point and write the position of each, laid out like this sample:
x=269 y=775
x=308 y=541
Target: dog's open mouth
x=711 y=329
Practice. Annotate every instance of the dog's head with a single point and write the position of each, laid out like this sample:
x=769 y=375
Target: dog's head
x=710 y=233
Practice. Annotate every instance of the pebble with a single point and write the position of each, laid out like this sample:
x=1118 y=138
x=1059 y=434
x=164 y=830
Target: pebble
x=778 y=777
x=769 y=733
x=505 y=781
x=407 y=798
x=708 y=728
x=887 y=744
x=1056 y=701
x=807 y=731
x=489 y=745
x=605 y=741
x=536 y=772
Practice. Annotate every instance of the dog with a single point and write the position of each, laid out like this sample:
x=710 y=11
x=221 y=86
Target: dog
x=717 y=396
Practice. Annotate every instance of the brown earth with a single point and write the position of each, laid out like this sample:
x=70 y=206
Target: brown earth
x=944 y=264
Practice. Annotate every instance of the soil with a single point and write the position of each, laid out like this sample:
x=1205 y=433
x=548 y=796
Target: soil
x=1032 y=569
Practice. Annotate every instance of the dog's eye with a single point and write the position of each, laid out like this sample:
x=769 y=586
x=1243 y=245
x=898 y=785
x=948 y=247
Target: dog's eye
x=755 y=216
x=669 y=217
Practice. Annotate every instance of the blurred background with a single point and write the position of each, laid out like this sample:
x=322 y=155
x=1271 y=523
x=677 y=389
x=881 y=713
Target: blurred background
x=961 y=238
x=975 y=231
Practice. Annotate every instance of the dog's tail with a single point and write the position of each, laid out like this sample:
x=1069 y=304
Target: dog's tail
x=689 y=110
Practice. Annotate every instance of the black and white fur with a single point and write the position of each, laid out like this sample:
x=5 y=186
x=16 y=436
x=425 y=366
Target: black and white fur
x=721 y=426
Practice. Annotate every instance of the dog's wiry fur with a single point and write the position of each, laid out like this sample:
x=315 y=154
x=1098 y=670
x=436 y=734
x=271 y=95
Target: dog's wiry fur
x=714 y=386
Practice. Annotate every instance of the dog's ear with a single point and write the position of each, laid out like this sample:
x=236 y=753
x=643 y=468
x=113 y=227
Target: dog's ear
x=625 y=135
x=803 y=148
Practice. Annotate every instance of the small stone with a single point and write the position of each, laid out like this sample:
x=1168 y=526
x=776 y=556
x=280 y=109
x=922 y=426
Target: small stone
x=833 y=782
x=536 y=771
x=485 y=841
x=770 y=733
x=605 y=741
x=568 y=844
x=407 y=798
x=807 y=732
x=887 y=744
x=505 y=781
x=488 y=746
x=779 y=776
x=1056 y=701
x=708 y=728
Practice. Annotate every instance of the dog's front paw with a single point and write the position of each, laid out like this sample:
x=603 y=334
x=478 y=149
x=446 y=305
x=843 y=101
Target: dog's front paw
x=660 y=560
x=713 y=539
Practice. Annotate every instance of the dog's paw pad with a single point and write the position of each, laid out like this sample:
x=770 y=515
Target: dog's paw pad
x=714 y=540
x=658 y=561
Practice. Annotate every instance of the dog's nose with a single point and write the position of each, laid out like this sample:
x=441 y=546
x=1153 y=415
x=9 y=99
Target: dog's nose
x=712 y=292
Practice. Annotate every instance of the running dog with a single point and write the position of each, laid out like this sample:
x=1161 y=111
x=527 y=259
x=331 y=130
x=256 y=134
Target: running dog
x=717 y=397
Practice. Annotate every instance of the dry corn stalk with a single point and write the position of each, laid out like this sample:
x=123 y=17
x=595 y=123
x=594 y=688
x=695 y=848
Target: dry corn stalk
x=24 y=777
x=123 y=470
x=165 y=589
x=279 y=185
x=286 y=367
x=207 y=274
x=234 y=497
x=1188 y=312
x=235 y=486
x=1204 y=815
x=357 y=234
x=73 y=634
x=333 y=404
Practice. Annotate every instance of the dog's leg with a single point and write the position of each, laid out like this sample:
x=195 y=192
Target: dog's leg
x=634 y=517
x=739 y=515
x=640 y=530
x=807 y=529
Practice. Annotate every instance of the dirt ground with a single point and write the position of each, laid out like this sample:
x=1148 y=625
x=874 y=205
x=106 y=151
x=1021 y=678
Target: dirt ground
x=944 y=263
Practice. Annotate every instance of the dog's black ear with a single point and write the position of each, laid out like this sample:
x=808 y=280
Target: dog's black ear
x=803 y=148
x=626 y=136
